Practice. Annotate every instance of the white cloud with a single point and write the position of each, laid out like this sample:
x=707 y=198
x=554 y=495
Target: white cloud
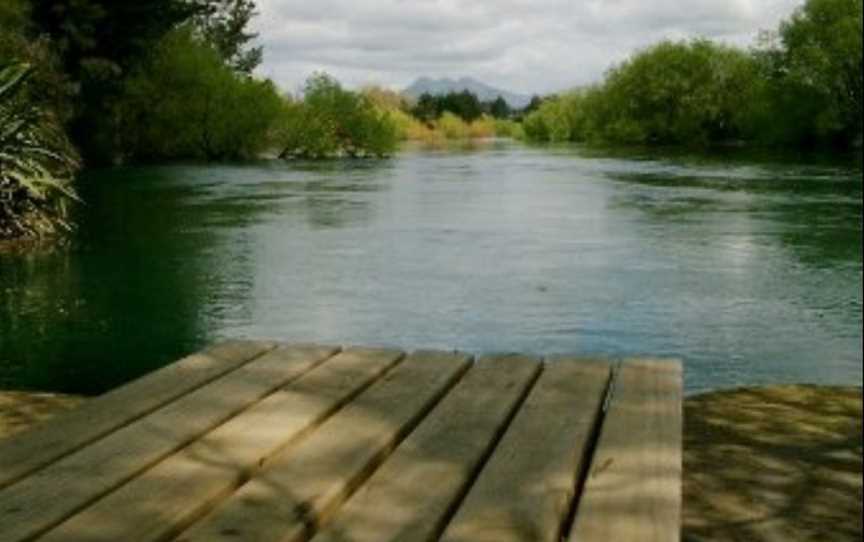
x=526 y=46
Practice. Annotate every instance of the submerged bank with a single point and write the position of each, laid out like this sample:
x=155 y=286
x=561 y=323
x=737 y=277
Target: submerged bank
x=760 y=464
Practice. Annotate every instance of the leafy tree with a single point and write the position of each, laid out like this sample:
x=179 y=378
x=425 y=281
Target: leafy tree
x=186 y=102
x=693 y=92
x=681 y=92
x=801 y=86
x=463 y=104
x=100 y=42
x=822 y=60
x=499 y=108
x=224 y=24
x=332 y=121
x=106 y=33
x=533 y=105
x=427 y=108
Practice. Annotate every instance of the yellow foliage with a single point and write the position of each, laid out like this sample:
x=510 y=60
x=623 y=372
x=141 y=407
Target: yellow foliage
x=448 y=127
x=484 y=127
x=452 y=126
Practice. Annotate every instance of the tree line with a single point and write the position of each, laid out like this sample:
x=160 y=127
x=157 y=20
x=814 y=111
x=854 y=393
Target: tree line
x=464 y=104
x=800 y=86
x=99 y=82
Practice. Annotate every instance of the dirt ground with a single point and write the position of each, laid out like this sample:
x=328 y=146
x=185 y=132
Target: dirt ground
x=773 y=464
x=776 y=464
x=21 y=410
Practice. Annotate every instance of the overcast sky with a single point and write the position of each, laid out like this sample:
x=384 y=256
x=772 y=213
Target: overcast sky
x=528 y=46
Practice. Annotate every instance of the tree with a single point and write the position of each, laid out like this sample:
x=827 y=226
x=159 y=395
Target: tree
x=332 y=121
x=100 y=42
x=186 y=102
x=692 y=92
x=499 y=108
x=464 y=104
x=822 y=56
x=533 y=105
x=427 y=108
x=224 y=24
x=105 y=35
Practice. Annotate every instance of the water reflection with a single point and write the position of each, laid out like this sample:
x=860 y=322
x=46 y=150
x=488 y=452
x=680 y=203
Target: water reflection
x=749 y=269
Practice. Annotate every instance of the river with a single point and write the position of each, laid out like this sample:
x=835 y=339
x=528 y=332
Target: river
x=748 y=268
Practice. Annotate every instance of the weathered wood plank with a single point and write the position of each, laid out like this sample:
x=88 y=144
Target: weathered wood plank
x=50 y=495
x=65 y=434
x=300 y=490
x=173 y=493
x=633 y=491
x=411 y=495
x=525 y=491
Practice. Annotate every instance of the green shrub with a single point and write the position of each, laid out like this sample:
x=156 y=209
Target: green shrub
x=331 y=121
x=509 y=129
x=802 y=87
x=187 y=102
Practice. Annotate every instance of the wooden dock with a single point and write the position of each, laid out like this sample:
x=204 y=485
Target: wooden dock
x=261 y=441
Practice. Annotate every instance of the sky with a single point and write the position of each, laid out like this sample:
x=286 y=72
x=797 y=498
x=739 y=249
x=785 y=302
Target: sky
x=526 y=46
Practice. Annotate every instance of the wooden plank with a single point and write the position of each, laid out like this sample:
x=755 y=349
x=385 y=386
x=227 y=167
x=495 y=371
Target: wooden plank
x=410 y=497
x=301 y=489
x=633 y=490
x=525 y=491
x=65 y=434
x=172 y=494
x=50 y=495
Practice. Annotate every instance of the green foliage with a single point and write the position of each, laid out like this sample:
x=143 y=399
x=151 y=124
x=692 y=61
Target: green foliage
x=14 y=14
x=509 y=129
x=679 y=93
x=108 y=32
x=48 y=87
x=37 y=163
x=452 y=126
x=100 y=42
x=802 y=87
x=331 y=121
x=187 y=102
x=499 y=108
x=817 y=72
x=464 y=105
x=223 y=24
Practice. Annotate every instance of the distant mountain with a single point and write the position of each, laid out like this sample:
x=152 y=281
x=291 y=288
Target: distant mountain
x=483 y=91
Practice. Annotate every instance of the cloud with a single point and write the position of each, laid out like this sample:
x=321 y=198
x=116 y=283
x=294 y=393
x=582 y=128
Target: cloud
x=534 y=46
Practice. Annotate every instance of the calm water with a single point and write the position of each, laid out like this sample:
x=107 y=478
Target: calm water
x=748 y=270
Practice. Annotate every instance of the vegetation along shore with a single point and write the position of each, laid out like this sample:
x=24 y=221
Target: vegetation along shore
x=91 y=83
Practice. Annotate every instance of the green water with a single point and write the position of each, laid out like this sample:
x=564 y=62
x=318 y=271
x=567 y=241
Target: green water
x=747 y=268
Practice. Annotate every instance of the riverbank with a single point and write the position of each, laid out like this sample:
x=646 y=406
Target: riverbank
x=21 y=410
x=760 y=464
x=773 y=464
